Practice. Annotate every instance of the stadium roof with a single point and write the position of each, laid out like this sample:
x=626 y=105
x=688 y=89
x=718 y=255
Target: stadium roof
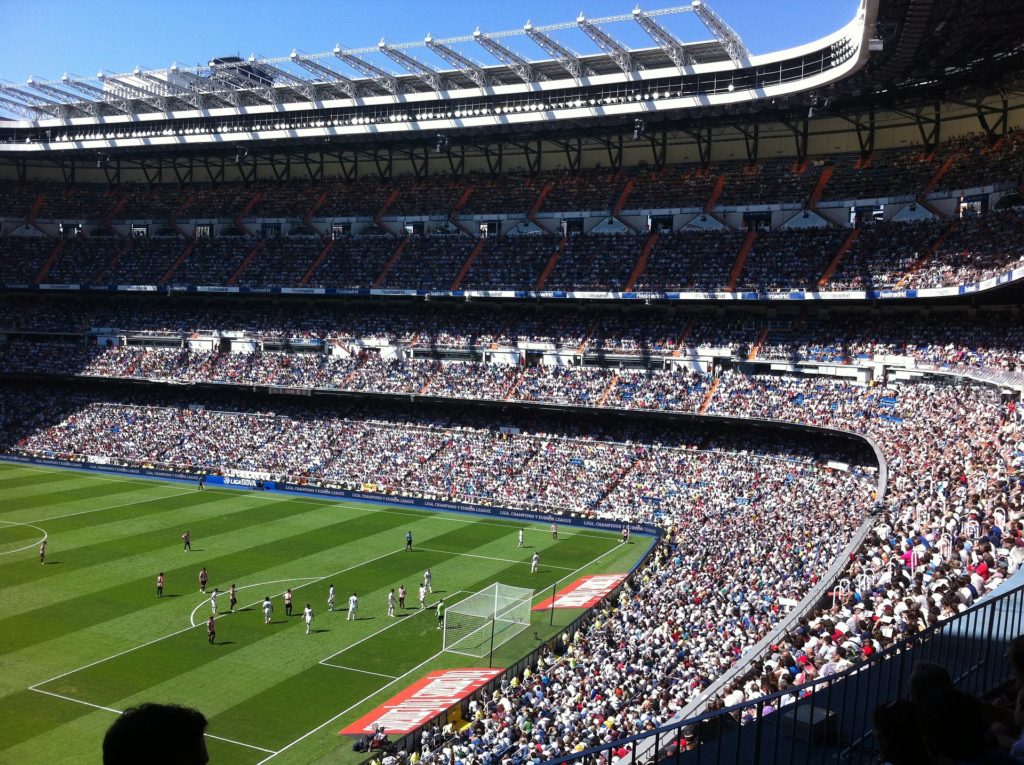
x=893 y=55
x=266 y=101
x=937 y=49
x=360 y=72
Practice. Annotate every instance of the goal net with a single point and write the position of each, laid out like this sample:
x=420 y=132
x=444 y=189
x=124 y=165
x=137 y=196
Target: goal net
x=487 y=619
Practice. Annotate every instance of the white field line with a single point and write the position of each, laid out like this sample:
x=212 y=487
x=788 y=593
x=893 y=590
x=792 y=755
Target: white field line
x=395 y=623
x=315 y=579
x=371 y=695
x=77 y=701
x=271 y=754
x=118 y=711
x=111 y=507
x=109 y=658
x=361 y=671
x=491 y=557
x=28 y=546
x=239 y=743
x=343 y=712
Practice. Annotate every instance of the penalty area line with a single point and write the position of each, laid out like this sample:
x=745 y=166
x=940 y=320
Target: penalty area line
x=76 y=701
x=35 y=687
x=118 y=712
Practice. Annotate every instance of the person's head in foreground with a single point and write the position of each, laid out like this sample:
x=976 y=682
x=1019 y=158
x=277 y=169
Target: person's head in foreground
x=156 y=734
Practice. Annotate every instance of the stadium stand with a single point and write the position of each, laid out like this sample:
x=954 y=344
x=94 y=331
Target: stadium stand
x=916 y=254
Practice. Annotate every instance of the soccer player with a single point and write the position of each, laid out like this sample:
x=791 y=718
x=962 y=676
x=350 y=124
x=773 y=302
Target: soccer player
x=625 y=534
x=535 y=563
x=268 y=609
x=160 y=584
x=307 y=616
x=408 y=541
x=202 y=481
x=428 y=579
x=521 y=542
x=213 y=600
x=233 y=597
x=187 y=539
x=42 y=552
x=391 y=602
x=401 y=596
x=440 y=613
x=423 y=596
x=288 y=602
x=203 y=579
x=353 y=606
x=330 y=598
x=211 y=630
x=554 y=531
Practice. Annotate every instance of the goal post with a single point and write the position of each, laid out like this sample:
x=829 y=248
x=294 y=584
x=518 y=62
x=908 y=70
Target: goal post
x=487 y=619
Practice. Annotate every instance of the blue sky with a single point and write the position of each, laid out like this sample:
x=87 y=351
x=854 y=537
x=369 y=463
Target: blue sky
x=83 y=37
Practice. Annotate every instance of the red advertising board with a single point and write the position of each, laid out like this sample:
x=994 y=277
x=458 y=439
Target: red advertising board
x=583 y=593
x=423 y=700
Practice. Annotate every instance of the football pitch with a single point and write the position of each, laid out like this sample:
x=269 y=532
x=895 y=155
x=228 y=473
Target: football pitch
x=85 y=635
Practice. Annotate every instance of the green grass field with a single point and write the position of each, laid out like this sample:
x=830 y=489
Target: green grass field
x=84 y=636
